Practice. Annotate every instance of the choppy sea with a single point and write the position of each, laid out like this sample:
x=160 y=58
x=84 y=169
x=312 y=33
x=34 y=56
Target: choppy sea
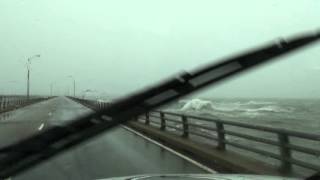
x=294 y=114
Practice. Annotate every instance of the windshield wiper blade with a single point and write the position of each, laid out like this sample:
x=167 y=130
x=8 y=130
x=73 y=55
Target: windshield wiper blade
x=23 y=155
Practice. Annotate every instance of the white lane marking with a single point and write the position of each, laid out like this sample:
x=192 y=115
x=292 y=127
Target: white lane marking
x=204 y=167
x=41 y=127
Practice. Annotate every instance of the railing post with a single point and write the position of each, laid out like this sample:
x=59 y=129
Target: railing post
x=1 y=100
x=163 y=121
x=285 y=152
x=147 y=119
x=5 y=103
x=221 y=136
x=185 y=126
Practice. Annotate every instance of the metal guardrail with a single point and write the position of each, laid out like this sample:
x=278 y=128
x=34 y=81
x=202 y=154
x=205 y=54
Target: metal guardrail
x=8 y=103
x=96 y=105
x=282 y=142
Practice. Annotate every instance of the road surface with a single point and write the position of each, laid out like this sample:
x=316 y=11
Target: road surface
x=118 y=152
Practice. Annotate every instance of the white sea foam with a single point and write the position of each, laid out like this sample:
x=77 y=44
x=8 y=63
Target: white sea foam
x=275 y=109
x=103 y=100
x=197 y=105
x=253 y=107
x=257 y=102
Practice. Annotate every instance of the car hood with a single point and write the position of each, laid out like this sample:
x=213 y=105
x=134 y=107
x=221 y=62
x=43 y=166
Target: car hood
x=200 y=177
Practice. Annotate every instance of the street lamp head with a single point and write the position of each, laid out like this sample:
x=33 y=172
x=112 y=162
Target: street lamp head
x=32 y=57
x=71 y=77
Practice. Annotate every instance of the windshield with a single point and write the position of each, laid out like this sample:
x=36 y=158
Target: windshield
x=62 y=60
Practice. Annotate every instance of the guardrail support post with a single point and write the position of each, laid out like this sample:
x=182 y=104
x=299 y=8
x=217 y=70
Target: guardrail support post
x=5 y=103
x=1 y=100
x=221 y=136
x=185 y=126
x=163 y=121
x=284 y=152
x=147 y=119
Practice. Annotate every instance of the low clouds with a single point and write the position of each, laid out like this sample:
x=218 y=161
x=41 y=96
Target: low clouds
x=316 y=68
x=118 y=47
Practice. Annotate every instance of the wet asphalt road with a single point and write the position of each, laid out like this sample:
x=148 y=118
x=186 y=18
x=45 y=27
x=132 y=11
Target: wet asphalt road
x=115 y=153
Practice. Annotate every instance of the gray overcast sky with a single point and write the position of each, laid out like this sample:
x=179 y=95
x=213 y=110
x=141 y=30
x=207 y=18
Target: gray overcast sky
x=120 y=46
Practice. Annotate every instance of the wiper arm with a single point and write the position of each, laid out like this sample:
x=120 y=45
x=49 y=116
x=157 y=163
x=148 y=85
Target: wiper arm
x=23 y=155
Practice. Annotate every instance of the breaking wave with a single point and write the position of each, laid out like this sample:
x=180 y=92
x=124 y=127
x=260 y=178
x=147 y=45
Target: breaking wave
x=198 y=105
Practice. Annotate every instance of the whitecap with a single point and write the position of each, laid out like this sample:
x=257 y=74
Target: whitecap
x=275 y=109
x=257 y=102
x=197 y=105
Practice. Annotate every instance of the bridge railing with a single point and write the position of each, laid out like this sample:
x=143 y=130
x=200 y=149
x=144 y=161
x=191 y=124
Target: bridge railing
x=8 y=102
x=185 y=123
x=222 y=131
x=94 y=104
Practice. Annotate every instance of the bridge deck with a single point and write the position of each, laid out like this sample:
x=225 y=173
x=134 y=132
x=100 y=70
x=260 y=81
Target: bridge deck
x=115 y=153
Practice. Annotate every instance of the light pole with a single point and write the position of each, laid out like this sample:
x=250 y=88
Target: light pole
x=74 y=85
x=28 y=75
x=51 y=89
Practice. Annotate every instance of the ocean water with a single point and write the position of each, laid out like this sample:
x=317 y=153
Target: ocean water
x=295 y=114
x=301 y=115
